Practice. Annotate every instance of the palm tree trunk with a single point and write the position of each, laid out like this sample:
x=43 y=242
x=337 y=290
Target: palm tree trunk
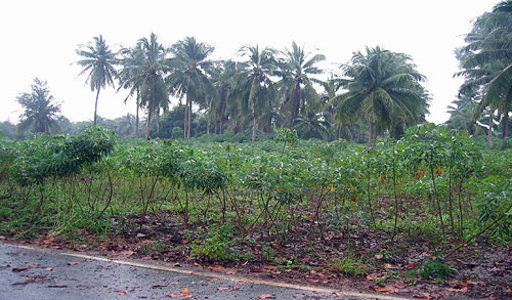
x=189 y=119
x=96 y=105
x=489 y=132
x=148 y=127
x=254 y=124
x=505 y=125
x=295 y=105
x=370 y=130
x=185 y=121
x=158 y=123
x=137 y=116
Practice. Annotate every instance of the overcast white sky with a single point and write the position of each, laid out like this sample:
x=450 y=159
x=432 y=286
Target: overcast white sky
x=39 y=38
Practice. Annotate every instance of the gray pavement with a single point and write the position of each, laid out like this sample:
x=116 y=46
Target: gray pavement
x=51 y=274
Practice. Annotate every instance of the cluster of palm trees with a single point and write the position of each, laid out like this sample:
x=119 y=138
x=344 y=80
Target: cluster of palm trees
x=486 y=63
x=41 y=111
x=263 y=89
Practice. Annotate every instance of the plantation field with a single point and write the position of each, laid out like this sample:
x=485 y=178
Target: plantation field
x=428 y=215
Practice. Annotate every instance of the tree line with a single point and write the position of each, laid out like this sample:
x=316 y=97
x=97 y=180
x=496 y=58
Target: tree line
x=378 y=92
x=258 y=92
x=485 y=98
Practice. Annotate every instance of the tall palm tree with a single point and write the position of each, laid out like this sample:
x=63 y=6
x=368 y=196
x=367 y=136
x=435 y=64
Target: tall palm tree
x=98 y=61
x=331 y=87
x=153 y=91
x=310 y=124
x=487 y=63
x=261 y=64
x=188 y=77
x=296 y=69
x=226 y=77
x=383 y=85
x=131 y=76
x=40 y=113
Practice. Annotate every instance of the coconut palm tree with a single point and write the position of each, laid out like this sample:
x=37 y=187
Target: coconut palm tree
x=296 y=70
x=40 y=114
x=261 y=64
x=131 y=77
x=98 y=62
x=154 y=95
x=383 y=85
x=187 y=75
x=310 y=124
x=487 y=63
x=328 y=98
x=226 y=77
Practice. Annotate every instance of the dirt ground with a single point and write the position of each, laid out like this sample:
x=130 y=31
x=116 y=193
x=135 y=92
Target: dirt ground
x=479 y=270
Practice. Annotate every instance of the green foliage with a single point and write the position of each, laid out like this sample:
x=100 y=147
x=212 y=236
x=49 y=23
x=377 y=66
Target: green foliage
x=44 y=157
x=268 y=253
x=215 y=245
x=436 y=268
x=403 y=189
x=495 y=206
x=348 y=264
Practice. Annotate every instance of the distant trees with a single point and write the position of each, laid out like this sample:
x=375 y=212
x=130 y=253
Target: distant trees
x=385 y=88
x=296 y=69
x=261 y=90
x=98 y=62
x=41 y=111
x=486 y=63
x=188 y=76
x=258 y=88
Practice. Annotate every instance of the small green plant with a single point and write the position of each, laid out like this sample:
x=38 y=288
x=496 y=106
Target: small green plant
x=216 y=245
x=349 y=265
x=160 y=246
x=285 y=263
x=268 y=253
x=146 y=248
x=436 y=268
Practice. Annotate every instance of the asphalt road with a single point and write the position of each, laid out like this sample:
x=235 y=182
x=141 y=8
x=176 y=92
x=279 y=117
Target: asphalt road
x=35 y=273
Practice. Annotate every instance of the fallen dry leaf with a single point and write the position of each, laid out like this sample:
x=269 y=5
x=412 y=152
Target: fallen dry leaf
x=185 y=291
x=313 y=272
x=390 y=266
x=57 y=286
x=265 y=296
x=72 y=263
x=126 y=253
x=48 y=269
x=255 y=270
x=375 y=276
x=379 y=256
x=123 y=292
x=463 y=290
x=427 y=296
x=411 y=265
x=2 y=237
x=220 y=288
x=22 y=269
x=385 y=289
x=216 y=268
x=49 y=240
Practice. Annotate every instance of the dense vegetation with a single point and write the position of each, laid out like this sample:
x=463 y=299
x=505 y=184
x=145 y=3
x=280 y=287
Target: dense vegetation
x=304 y=179
x=433 y=183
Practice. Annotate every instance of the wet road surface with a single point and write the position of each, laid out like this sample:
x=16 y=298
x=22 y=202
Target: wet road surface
x=50 y=274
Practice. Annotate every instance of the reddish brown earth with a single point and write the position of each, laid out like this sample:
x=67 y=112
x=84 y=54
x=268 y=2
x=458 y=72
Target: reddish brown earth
x=482 y=270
